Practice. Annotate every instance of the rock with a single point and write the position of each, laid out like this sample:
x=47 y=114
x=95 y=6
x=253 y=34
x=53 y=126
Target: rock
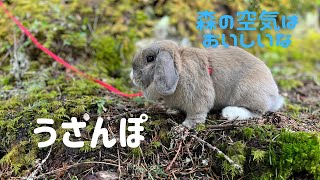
x=103 y=175
x=161 y=30
x=107 y=175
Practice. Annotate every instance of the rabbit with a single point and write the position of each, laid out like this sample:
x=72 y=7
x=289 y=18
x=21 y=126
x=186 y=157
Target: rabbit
x=240 y=84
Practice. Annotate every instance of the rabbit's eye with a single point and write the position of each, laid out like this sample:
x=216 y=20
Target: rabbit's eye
x=150 y=58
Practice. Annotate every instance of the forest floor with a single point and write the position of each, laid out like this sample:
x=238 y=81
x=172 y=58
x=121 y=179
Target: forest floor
x=98 y=39
x=171 y=152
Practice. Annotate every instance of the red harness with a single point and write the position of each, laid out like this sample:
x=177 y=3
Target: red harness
x=210 y=70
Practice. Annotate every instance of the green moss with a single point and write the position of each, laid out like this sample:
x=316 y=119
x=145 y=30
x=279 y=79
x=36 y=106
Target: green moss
x=275 y=55
x=296 y=152
x=140 y=101
x=164 y=136
x=6 y=80
x=278 y=155
x=19 y=156
x=262 y=133
x=100 y=104
x=201 y=127
x=78 y=40
x=87 y=147
x=136 y=152
x=248 y=133
x=305 y=49
x=236 y=151
x=288 y=84
x=18 y=116
x=295 y=110
x=258 y=155
x=156 y=144
x=107 y=53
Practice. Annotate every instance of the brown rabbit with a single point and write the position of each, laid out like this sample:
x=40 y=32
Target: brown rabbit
x=240 y=84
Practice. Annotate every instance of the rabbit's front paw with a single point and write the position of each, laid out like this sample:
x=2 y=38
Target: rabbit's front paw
x=237 y=113
x=172 y=111
x=189 y=123
x=192 y=120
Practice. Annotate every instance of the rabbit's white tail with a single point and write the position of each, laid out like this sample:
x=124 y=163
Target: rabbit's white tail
x=278 y=103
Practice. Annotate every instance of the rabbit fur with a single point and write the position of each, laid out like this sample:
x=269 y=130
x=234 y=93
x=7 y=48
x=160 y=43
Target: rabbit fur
x=241 y=84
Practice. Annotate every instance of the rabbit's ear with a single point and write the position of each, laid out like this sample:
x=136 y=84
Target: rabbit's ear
x=166 y=76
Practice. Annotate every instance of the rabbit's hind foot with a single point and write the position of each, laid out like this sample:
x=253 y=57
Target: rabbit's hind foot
x=237 y=113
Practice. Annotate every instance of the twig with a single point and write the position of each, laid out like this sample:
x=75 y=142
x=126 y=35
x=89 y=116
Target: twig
x=234 y=164
x=119 y=161
x=189 y=153
x=175 y=157
x=4 y=57
x=35 y=172
x=96 y=19
x=172 y=122
x=229 y=121
x=222 y=127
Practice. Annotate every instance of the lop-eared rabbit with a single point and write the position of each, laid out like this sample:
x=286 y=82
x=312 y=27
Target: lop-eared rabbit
x=196 y=80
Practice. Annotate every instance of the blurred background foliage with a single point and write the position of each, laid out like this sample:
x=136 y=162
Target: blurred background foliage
x=100 y=38
x=104 y=33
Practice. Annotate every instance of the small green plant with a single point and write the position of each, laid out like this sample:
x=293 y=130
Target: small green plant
x=258 y=155
x=201 y=127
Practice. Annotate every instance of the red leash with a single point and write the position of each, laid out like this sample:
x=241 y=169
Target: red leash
x=59 y=60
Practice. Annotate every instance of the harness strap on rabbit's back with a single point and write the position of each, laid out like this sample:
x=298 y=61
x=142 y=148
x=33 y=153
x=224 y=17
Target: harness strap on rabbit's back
x=210 y=70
